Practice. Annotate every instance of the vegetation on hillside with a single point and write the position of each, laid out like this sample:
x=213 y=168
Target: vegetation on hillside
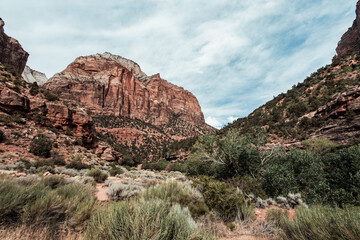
x=283 y=116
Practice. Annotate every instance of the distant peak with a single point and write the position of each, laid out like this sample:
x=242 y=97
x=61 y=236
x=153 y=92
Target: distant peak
x=127 y=63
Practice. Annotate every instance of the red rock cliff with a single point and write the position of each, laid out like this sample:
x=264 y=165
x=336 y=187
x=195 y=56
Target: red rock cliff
x=350 y=41
x=11 y=52
x=110 y=84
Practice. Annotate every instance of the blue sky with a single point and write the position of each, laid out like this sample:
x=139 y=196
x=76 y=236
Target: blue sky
x=233 y=55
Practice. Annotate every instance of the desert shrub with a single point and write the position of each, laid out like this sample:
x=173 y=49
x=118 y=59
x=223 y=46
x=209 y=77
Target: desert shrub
x=322 y=223
x=126 y=220
x=115 y=170
x=42 y=163
x=50 y=97
x=120 y=191
x=54 y=181
x=28 y=180
x=276 y=215
x=174 y=192
x=177 y=166
x=197 y=168
x=70 y=172
x=41 y=146
x=158 y=166
x=88 y=180
x=76 y=163
x=57 y=159
x=320 y=145
x=98 y=175
x=220 y=197
x=34 y=89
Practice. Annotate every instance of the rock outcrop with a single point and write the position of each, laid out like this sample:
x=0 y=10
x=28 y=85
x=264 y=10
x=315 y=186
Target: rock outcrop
x=342 y=115
x=11 y=52
x=112 y=85
x=350 y=41
x=32 y=76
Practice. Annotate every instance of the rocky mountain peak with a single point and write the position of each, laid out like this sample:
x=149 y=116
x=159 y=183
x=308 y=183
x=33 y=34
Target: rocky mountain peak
x=11 y=52
x=32 y=76
x=126 y=63
x=350 y=41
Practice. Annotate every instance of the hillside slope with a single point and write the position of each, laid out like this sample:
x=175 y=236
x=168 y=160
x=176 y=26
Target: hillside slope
x=326 y=104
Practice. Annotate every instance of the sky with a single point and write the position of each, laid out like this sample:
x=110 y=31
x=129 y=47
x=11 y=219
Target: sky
x=232 y=55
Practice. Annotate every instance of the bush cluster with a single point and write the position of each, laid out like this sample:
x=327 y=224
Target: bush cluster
x=41 y=146
x=98 y=175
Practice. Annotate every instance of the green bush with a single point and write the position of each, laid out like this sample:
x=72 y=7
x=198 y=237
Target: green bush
x=34 y=89
x=174 y=192
x=224 y=199
x=115 y=171
x=320 y=145
x=141 y=220
x=39 y=205
x=76 y=163
x=276 y=215
x=98 y=175
x=54 y=181
x=324 y=223
x=50 y=97
x=157 y=166
x=41 y=146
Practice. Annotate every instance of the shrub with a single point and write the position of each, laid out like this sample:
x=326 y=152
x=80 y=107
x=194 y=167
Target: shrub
x=57 y=159
x=322 y=223
x=115 y=171
x=50 y=97
x=120 y=191
x=54 y=181
x=225 y=200
x=174 y=192
x=320 y=145
x=276 y=215
x=41 y=146
x=98 y=175
x=158 y=166
x=34 y=89
x=76 y=163
x=126 y=220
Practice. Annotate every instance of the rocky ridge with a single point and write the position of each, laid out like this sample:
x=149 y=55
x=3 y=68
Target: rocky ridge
x=350 y=41
x=11 y=52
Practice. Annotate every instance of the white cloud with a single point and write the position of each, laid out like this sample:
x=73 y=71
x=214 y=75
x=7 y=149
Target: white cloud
x=213 y=122
x=233 y=55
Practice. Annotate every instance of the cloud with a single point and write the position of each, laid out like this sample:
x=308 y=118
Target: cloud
x=233 y=55
x=213 y=122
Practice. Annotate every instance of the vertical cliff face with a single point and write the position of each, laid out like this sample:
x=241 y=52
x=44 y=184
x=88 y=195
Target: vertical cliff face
x=350 y=41
x=112 y=85
x=11 y=52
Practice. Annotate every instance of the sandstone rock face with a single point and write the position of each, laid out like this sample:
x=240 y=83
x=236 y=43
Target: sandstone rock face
x=11 y=52
x=350 y=41
x=343 y=116
x=32 y=76
x=112 y=85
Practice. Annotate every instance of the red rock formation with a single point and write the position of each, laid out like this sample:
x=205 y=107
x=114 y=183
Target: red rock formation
x=11 y=52
x=350 y=41
x=112 y=85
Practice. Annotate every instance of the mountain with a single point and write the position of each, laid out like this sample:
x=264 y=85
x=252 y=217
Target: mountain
x=32 y=76
x=11 y=52
x=326 y=104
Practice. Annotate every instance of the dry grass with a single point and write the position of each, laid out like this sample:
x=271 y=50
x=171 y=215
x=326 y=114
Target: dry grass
x=29 y=233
